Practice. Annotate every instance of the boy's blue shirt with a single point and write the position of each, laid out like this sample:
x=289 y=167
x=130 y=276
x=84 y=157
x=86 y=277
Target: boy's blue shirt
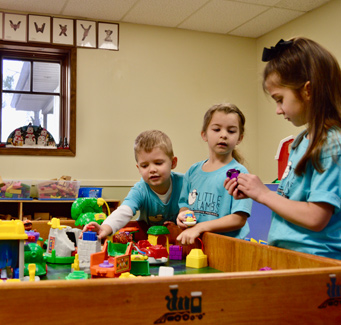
x=204 y=194
x=312 y=186
x=152 y=210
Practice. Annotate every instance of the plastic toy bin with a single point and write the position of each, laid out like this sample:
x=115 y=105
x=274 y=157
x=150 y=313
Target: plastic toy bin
x=15 y=189
x=90 y=192
x=58 y=189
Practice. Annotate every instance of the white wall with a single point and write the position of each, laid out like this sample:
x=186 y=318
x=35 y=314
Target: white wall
x=160 y=78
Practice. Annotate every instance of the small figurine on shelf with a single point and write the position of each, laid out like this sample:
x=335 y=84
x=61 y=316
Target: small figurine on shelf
x=18 y=138
x=42 y=138
x=30 y=138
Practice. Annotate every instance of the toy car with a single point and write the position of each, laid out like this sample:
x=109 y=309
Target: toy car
x=232 y=173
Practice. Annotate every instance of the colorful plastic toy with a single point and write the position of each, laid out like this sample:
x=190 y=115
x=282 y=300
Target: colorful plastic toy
x=196 y=257
x=34 y=254
x=77 y=275
x=12 y=239
x=86 y=209
x=175 y=252
x=59 y=248
x=232 y=173
x=191 y=220
x=157 y=254
x=113 y=260
x=88 y=245
x=158 y=235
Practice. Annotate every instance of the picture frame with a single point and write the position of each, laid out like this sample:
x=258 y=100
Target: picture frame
x=1 y=25
x=39 y=29
x=108 y=36
x=15 y=27
x=62 y=31
x=86 y=33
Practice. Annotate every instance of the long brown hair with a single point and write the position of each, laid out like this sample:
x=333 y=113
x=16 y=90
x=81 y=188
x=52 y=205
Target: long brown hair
x=302 y=61
x=228 y=109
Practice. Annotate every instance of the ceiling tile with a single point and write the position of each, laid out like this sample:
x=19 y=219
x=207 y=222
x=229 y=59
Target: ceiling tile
x=38 y=6
x=221 y=16
x=162 y=12
x=247 y=18
x=268 y=3
x=266 y=22
x=305 y=5
x=101 y=9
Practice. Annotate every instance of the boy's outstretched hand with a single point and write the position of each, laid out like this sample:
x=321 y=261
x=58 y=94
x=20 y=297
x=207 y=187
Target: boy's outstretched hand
x=102 y=231
x=188 y=236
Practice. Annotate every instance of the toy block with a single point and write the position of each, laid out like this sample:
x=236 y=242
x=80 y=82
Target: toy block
x=89 y=235
x=175 y=252
x=196 y=259
x=166 y=271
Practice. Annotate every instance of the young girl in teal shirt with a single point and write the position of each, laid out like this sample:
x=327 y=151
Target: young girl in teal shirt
x=304 y=79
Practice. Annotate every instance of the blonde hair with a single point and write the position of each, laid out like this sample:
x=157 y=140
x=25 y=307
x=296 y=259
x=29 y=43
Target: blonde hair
x=226 y=108
x=148 y=140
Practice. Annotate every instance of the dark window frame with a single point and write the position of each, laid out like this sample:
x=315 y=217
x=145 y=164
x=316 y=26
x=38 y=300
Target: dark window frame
x=68 y=58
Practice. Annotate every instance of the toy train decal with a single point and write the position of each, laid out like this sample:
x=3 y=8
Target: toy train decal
x=184 y=308
x=334 y=293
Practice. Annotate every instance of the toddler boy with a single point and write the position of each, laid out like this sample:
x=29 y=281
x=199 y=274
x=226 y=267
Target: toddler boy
x=156 y=195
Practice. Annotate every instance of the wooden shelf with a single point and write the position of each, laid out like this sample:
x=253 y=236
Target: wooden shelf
x=19 y=209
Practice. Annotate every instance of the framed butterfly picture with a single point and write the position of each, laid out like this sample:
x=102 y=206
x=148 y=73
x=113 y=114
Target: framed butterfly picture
x=39 y=29
x=63 y=31
x=108 y=36
x=86 y=33
x=15 y=27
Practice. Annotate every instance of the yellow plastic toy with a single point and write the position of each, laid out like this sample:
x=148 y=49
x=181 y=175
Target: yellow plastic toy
x=196 y=258
x=127 y=275
x=55 y=224
x=75 y=265
x=32 y=272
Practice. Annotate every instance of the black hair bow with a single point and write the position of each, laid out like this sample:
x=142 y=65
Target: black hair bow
x=271 y=53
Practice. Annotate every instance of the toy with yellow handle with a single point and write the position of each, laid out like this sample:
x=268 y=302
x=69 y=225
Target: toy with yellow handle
x=32 y=272
x=87 y=209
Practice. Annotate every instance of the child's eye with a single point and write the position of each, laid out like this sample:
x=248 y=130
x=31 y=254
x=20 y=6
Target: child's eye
x=216 y=130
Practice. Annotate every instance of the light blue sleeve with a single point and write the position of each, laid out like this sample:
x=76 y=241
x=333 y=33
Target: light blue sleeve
x=326 y=186
x=183 y=199
x=135 y=197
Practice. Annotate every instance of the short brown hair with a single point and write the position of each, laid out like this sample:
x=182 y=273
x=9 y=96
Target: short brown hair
x=148 y=140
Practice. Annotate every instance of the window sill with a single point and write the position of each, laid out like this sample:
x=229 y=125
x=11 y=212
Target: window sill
x=70 y=152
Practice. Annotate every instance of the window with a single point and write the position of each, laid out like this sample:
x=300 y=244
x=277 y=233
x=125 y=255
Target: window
x=38 y=93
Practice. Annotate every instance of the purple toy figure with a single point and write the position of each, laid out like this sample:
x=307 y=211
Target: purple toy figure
x=232 y=173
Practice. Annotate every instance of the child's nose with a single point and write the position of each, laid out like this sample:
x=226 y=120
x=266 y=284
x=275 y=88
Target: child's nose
x=153 y=168
x=223 y=134
x=279 y=110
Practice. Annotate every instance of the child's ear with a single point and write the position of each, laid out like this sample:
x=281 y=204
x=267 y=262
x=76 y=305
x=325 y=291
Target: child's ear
x=306 y=91
x=241 y=137
x=203 y=135
x=174 y=162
